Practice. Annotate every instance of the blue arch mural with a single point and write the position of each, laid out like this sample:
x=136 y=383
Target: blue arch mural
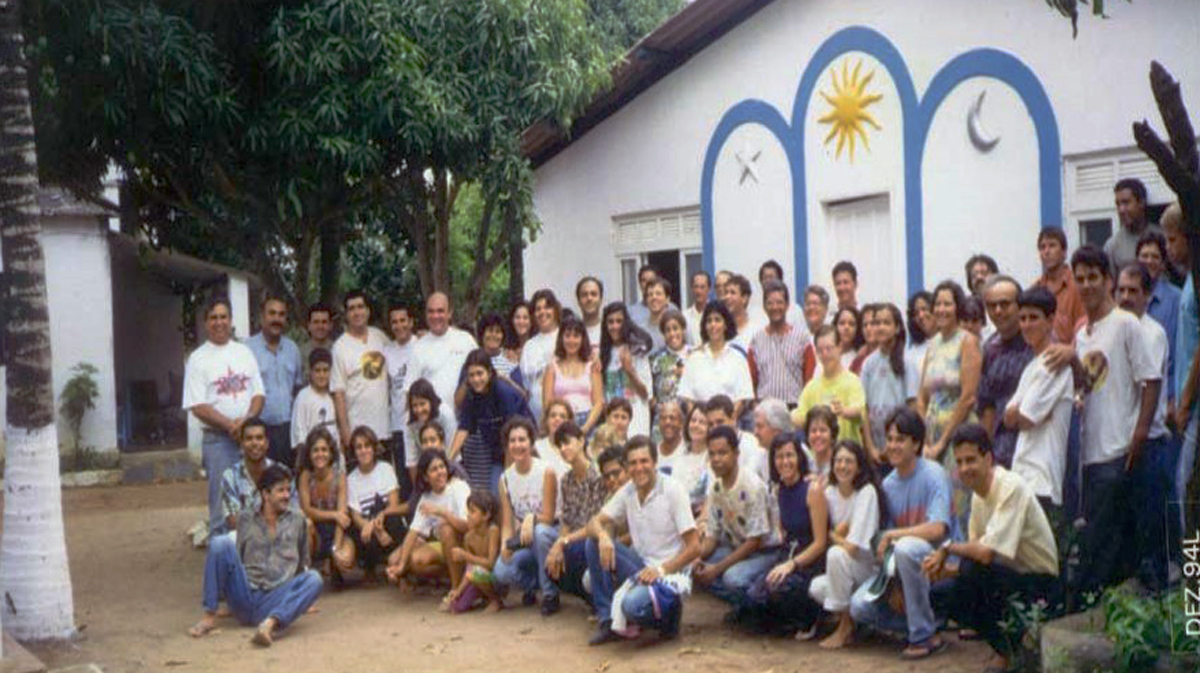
x=917 y=116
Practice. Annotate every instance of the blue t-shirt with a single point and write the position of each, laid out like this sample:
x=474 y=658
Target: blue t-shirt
x=1187 y=332
x=923 y=497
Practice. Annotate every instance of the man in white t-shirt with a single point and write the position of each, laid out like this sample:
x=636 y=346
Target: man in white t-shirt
x=222 y=387
x=1151 y=474
x=397 y=353
x=1040 y=409
x=359 y=382
x=737 y=297
x=1113 y=359
x=665 y=543
x=589 y=294
x=439 y=355
x=701 y=286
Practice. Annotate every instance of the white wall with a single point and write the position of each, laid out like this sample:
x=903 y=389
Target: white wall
x=650 y=154
x=79 y=289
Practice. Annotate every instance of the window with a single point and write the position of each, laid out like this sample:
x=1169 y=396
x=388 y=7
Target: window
x=1095 y=232
x=667 y=240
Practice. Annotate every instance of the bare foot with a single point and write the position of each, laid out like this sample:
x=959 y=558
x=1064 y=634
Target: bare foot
x=312 y=610
x=223 y=611
x=838 y=639
x=447 y=602
x=264 y=635
x=494 y=606
x=205 y=626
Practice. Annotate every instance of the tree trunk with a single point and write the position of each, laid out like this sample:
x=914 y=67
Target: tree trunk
x=331 y=255
x=516 y=256
x=34 y=576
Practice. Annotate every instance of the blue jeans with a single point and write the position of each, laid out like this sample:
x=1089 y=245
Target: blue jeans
x=637 y=605
x=733 y=586
x=1185 y=463
x=224 y=577
x=918 y=617
x=527 y=567
x=1106 y=547
x=1152 y=487
x=219 y=453
x=574 y=564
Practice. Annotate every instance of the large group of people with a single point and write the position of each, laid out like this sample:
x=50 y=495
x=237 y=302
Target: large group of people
x=820 y=465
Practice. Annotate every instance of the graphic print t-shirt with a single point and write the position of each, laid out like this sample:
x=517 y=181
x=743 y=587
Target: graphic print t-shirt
x=360 y=371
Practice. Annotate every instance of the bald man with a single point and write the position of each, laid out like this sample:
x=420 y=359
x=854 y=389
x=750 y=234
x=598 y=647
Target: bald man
x=438 y=356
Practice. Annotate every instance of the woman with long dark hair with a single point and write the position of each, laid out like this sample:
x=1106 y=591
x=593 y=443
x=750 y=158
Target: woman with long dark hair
x=625 y=363
x=489 y=402
x=779 y=601
x=439 y=521
x=573 y=376
x=848 y=323
x=920 y=328
x=520 y=328
x=883 y=379
x=857 y=510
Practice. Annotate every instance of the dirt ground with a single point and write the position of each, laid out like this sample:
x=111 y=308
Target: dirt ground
x=137 y=589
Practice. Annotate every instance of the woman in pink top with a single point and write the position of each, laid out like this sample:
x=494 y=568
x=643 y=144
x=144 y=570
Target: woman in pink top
x=574 y=376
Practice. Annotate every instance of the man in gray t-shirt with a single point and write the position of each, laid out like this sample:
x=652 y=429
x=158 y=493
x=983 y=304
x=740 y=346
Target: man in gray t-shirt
x=1121 y=248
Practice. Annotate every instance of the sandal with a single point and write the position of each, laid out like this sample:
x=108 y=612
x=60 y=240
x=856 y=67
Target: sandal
x=924 y=649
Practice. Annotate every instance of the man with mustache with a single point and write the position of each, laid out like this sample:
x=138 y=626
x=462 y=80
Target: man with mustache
x=282 y=375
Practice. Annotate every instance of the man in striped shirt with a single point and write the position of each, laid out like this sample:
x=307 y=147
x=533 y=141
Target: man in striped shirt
x=778 y=348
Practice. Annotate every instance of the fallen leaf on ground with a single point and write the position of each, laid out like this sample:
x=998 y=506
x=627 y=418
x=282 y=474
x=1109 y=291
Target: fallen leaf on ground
x=526 y=631
x=603 y=666
x=690 y=650
x=175 y=662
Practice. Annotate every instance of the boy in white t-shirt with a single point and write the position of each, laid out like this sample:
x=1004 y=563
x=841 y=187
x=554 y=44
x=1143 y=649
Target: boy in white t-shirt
x=313 y=407
x=1040 y=409
x=1112 y=357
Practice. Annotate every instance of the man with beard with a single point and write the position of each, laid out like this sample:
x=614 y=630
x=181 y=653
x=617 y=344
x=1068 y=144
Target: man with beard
x=262 y=574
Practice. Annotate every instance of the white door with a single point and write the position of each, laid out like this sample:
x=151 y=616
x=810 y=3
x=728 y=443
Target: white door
x=861 y=230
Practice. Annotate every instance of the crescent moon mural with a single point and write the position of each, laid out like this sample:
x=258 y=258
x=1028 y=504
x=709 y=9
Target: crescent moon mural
x=980 y=137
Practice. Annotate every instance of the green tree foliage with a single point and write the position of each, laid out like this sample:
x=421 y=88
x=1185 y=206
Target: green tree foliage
x=621 y=23
x=255 y=132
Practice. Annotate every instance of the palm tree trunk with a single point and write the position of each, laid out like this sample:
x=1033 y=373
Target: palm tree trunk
x=34 y=578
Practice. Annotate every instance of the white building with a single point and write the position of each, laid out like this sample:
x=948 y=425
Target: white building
x=991 y=122
x=119 y=306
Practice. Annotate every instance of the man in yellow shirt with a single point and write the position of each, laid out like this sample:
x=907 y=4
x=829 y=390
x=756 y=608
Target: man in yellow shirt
x=1011 y=547
x=835 y=387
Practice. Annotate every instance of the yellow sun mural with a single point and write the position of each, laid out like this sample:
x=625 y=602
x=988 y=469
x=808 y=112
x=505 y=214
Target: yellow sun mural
x=848 y=105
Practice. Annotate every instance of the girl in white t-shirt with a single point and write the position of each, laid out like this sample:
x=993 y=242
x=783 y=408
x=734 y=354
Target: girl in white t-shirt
x=373 y=497
x=527 y=495
x=556 y=413
x=856 y=512
x=439 y=518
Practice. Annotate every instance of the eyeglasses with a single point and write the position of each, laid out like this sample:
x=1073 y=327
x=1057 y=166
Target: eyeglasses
x=612 y=475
